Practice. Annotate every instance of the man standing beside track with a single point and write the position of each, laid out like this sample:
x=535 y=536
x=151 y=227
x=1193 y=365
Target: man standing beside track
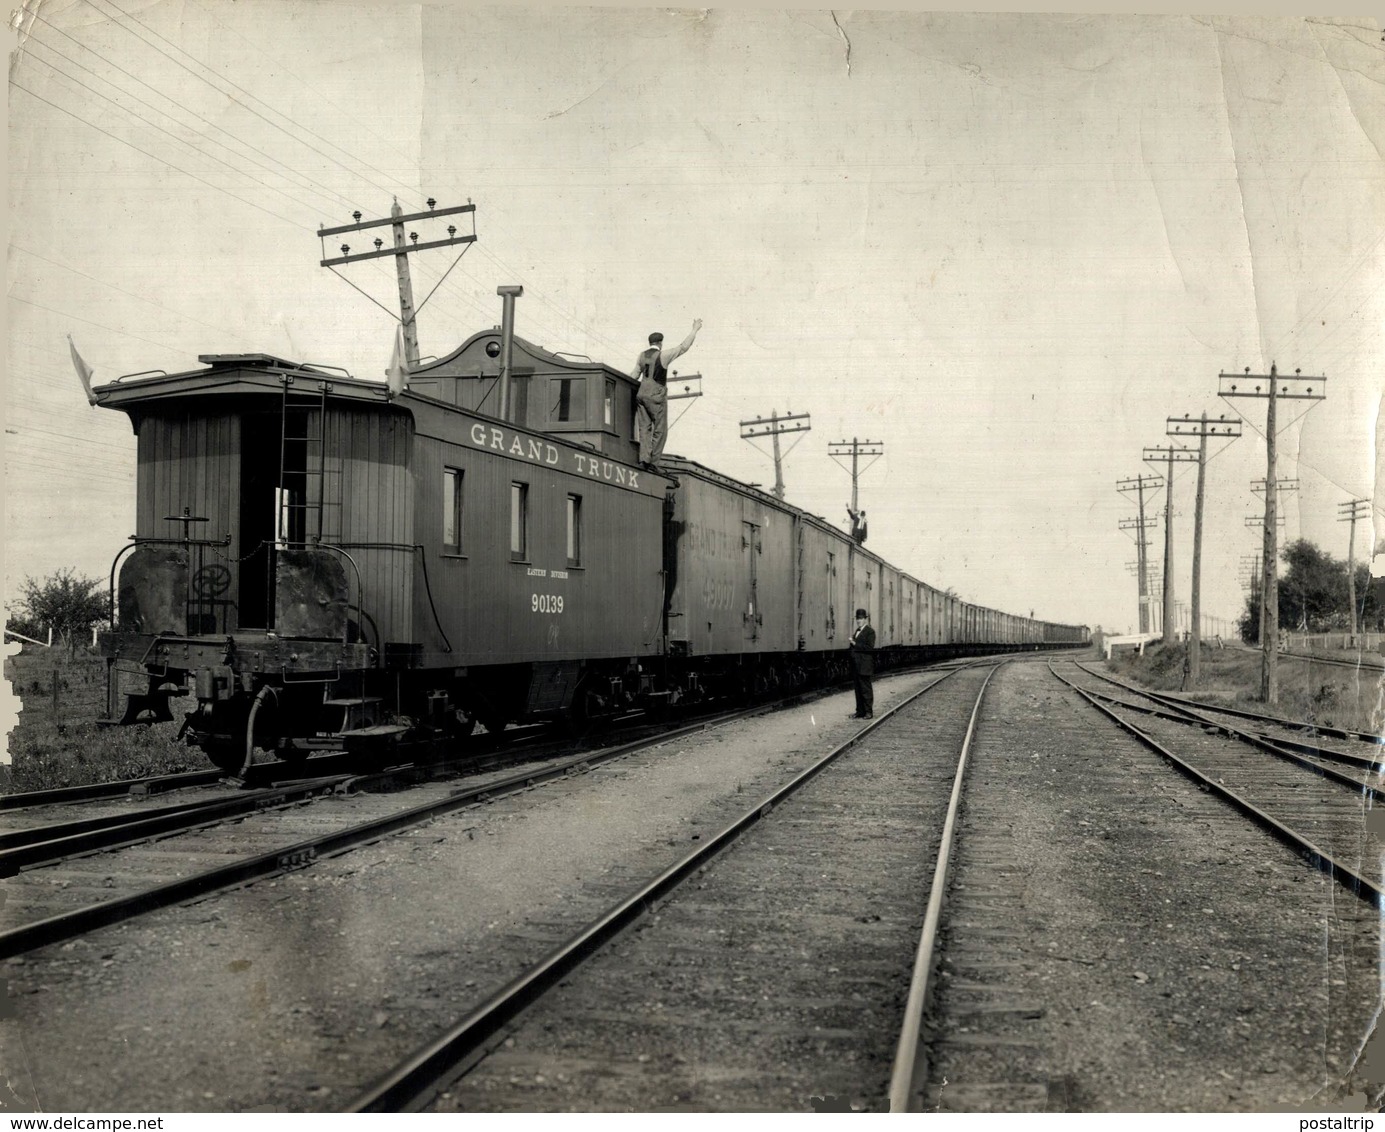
x=651 y=403
x=863 y=665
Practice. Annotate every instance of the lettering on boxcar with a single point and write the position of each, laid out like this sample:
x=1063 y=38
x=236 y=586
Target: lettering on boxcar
x=537 y=572
x=718 y=593
x=546 y=603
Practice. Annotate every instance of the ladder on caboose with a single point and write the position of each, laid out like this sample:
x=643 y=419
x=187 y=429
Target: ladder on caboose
x=304 y=473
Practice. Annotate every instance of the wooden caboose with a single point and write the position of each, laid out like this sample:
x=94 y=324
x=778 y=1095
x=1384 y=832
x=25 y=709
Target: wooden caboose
x=302 y=530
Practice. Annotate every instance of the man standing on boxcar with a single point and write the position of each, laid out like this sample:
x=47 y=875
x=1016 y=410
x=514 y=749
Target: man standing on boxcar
x=651 y=403
x=863 y=666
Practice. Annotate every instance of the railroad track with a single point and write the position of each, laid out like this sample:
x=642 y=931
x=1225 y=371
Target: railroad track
x=62 y=880
x=1275 y=735
x=765 y=968
x=1301 y=800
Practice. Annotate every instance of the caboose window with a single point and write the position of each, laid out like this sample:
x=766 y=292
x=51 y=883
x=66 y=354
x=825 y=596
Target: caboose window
x=569 y=399
x=574 y=530
x=452 y=511
x=608 y=404
x=519 y=521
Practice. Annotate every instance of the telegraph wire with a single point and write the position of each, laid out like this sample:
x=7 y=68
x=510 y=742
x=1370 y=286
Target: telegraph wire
x=289 y=70
x=160 y=160
x=181 y=141
x=123 y=291
x=567 y=317
x=248 y=94
x=327 y=191
x=203 y=79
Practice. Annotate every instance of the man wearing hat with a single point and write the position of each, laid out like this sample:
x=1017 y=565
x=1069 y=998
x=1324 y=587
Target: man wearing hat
x=863 y=665
x=651 y=404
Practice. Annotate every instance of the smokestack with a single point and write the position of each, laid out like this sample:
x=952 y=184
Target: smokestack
x=509 y=292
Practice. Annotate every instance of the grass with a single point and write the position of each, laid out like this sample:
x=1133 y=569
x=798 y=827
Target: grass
x=57 y=742
x=1329 y=696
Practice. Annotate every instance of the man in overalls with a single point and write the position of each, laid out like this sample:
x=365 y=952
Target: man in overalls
x=651 y=403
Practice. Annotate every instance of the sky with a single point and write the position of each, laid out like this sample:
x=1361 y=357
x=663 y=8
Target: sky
x=1005 y=247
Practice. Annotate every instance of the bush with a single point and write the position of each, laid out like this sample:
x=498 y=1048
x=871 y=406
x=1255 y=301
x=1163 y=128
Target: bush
x=71 y=603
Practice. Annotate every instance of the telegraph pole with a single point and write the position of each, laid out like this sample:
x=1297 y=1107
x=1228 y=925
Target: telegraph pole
x=1171 y=456
x=401 y=252
x=1350 y=512
x=856 y=448
x=1273 y=388
x=1138 y=485
x=1202 y=428
x=774 y=424
x=1141 y=570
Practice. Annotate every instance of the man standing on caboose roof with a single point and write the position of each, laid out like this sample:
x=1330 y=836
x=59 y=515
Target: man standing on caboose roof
x=651 y=404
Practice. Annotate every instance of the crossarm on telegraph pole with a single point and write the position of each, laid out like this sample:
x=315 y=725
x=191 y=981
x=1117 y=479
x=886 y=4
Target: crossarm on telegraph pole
x=1139 y=484
x=1273 y=387
x=1202 y=428
x=1353 y=511
x=1169 y=455
x=401 y=251
x=774 y=425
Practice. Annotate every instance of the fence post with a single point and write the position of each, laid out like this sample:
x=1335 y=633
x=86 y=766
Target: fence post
x=55 y=695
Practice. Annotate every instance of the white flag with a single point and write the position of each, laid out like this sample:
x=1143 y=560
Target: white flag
x=398 y=373
x=83 y=371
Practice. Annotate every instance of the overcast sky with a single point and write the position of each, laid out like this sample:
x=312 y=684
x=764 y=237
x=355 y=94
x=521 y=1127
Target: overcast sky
x=1007 y=247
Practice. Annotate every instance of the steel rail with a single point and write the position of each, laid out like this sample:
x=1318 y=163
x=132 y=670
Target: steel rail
x=62 y=794
x=413 y=1081
x=66 y=925
x=1295 y=724
x=1285 y=748
x=907 y=1081
x=1263 y=742
x=28 y=848
x=1352 y=881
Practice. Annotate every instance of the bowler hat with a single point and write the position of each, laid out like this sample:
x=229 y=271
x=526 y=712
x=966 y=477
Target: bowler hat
x=862 y=613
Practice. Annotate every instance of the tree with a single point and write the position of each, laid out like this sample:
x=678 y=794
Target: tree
x=1313 y=594
x=71 y=603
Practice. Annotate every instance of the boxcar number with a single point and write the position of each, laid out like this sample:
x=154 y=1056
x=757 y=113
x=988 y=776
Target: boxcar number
x=546 y=603
x=718 y=593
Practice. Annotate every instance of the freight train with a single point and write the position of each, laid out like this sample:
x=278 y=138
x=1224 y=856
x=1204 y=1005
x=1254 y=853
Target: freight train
x=325 y=562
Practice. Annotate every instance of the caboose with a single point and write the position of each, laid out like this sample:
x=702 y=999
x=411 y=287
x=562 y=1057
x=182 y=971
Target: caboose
x=321 y=561
x=318 y=561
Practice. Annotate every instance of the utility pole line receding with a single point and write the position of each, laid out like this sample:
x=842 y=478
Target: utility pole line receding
x=401 y=252
x=1351 y=512
x=1202 y=428
x=1138 y=485
x=773 y=425
x=1171 y=456
x=1273 y=387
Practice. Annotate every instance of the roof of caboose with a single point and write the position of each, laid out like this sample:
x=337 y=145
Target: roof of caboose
x=231 y=374
x=474 y=358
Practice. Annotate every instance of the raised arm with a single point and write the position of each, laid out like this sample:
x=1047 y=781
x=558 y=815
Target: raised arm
x=683 y=347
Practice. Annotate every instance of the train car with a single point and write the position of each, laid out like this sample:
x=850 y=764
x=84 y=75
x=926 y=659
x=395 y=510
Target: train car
x=321 y=561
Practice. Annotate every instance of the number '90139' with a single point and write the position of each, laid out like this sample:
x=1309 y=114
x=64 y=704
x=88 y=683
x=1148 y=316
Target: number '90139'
x=546 y=603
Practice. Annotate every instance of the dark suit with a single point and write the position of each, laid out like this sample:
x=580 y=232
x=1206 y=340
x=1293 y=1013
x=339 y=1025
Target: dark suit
x=863 y=668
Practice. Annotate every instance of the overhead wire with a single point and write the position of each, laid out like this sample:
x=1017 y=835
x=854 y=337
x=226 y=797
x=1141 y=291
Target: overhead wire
x=286 y=170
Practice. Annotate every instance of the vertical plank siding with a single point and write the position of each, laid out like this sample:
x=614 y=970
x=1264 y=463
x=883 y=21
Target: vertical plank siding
x=191 y=459
x=612 y=603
